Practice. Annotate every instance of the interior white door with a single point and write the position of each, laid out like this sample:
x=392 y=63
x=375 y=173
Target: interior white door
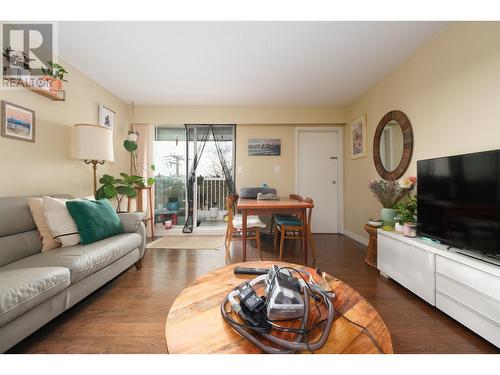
x=318 y=176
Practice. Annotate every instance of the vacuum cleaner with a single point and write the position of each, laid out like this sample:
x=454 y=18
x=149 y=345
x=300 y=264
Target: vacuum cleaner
x=280 y=320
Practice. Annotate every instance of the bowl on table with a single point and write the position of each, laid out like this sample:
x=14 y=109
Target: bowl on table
x=377 y=223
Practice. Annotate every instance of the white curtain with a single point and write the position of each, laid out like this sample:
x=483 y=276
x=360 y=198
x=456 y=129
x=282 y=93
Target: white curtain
x=145 y=158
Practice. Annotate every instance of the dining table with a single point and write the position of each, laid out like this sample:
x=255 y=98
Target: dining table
x=283 y=205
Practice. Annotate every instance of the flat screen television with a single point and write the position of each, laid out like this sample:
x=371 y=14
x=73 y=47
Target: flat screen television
x=458 y=201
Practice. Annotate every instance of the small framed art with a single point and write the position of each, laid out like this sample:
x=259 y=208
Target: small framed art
x=18 y=122
x=358 y=137
x=106 y=117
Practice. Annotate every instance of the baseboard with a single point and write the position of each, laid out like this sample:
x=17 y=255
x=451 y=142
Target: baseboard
x=357 y=238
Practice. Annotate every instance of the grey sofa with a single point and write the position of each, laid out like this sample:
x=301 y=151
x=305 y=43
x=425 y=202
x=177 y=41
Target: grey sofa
x=35 y=287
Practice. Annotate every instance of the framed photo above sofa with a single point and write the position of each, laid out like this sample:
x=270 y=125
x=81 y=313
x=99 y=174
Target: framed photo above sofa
x=17 y=122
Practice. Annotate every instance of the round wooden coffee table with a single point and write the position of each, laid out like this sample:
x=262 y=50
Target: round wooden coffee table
x=195 y=325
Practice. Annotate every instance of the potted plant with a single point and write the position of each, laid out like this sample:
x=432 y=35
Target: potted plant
x=119 y=187
x=405 y=211
x=54 y=74
x=389 y=193
x=175 y=193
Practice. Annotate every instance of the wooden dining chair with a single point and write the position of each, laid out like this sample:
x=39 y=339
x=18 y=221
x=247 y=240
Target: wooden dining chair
x=290 y=227
x=234 y=229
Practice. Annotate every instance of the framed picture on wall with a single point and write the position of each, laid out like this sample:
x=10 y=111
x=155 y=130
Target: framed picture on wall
x=106 y=117
x=18 y=122
x=264 y=147
x=358 y=137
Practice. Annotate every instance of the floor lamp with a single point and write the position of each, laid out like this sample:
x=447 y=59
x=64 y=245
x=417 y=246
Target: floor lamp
x=93 y=145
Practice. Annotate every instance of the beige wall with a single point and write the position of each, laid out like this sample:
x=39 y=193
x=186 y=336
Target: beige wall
x=239 y=115
x=46 y=166
x=252 y=122
x=450 y=90
x=255 y=170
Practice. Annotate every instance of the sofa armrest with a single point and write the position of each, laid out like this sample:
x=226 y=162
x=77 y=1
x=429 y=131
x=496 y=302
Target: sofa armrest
x=132 y=223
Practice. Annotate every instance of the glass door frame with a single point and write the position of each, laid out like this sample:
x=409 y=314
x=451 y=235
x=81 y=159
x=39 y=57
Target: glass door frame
x=195 y=128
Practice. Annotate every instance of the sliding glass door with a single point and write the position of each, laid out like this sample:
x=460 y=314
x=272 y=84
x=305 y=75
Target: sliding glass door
x=195 y=173
x=170 y=186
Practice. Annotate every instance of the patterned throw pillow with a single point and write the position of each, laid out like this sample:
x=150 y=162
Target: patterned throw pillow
x=61 y=224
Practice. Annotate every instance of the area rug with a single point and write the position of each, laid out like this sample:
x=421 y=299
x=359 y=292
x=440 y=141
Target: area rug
x=188 y=242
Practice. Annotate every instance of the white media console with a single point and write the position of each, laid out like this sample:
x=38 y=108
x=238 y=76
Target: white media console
x=465 y=288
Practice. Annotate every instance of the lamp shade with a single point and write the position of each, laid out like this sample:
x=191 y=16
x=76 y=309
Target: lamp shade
x=93 y=142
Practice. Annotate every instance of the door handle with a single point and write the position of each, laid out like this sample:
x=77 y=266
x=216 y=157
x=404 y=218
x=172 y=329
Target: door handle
x=334 y=182
x=333 y=157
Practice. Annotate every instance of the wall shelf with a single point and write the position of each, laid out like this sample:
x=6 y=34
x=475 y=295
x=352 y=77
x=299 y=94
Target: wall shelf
x=58 y=96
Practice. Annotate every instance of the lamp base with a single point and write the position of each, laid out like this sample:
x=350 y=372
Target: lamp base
x=94 y=167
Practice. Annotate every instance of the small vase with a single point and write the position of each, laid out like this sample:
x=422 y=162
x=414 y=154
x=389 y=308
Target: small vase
x=410 y=230
x=399 y=228
x=387 y=216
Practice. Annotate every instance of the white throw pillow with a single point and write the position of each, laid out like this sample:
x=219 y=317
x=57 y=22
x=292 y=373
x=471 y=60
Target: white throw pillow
x=61 y=224
x=36 y=208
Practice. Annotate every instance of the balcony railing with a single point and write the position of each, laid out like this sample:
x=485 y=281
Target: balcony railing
x=212 y=192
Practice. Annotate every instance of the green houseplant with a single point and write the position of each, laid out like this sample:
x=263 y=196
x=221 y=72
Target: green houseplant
x=389 y=193
x=54 y=74
x=118 y=188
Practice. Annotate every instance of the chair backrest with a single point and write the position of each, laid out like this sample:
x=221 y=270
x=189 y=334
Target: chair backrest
x=230 y=199
x=309 y=213
x=307 y=200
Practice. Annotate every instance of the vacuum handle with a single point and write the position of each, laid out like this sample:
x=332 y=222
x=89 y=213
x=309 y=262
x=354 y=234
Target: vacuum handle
x=250 y=271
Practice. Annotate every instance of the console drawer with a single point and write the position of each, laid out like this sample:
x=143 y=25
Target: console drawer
x=482 y=326
x=474 y=300
x=410 y=266
x=474 y=278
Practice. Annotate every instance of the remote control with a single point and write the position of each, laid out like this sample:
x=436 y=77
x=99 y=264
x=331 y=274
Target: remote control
x=250 y=271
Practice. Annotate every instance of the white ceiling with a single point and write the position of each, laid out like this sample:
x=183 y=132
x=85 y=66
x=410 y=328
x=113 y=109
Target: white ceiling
x=240 y=63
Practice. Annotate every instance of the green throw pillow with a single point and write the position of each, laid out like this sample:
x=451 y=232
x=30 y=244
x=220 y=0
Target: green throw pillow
x=95 y=220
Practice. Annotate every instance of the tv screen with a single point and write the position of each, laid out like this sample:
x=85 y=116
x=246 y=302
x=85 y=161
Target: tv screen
x=458 y=201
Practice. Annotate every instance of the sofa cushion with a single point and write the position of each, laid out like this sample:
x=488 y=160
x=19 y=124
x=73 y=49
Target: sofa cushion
x=36 y=208
x=82 y=260
x=61 y=224
x=95 y=220
x=23 y=289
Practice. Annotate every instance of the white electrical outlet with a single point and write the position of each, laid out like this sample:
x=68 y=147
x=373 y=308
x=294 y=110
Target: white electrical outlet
x=240 y=169
x=276 y=169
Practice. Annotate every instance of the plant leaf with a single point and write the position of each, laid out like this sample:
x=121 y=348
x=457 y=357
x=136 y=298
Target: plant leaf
x=109 y=191
x=151 y=181
x=130 y=145
x=127 y=190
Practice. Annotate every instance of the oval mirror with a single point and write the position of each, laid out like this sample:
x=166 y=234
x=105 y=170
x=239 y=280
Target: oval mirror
x=393 y=145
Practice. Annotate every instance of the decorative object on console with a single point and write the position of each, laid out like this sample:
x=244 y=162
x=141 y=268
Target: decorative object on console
x=264 y=147
x=392 y=145
x=358 y=137
x=406 y=208
x=388 y=193
x=94 y=145
x=18 y=122
x=106 y=117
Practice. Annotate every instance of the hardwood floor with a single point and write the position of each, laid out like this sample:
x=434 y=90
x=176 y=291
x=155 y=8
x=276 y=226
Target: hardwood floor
x=128 y=314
